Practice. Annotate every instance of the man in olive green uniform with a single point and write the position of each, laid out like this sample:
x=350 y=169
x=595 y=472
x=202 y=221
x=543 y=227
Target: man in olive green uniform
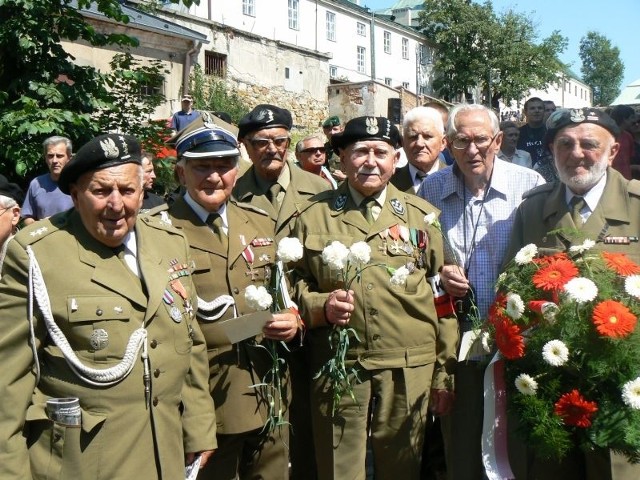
x=330 y=127
x=118 y=334
x=583 y=142
x=229 y=257
x=407 y=344
x=273 y=186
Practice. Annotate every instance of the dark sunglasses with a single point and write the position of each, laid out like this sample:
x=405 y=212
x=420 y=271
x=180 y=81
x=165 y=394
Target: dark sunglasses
x=314 y=150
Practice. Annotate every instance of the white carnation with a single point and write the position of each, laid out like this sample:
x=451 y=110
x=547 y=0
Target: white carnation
x=526 y=385
x=289 y=250
x=258 y=298
x=335 y=255
x=555 y=353
x=631 y=393
x=430 y=218
x=485 y=339
x=632 y=285
x=581 y=290
x=399 y=277
x=526 y=254
x=359 y=254
x=515 y=306
x=586 y=245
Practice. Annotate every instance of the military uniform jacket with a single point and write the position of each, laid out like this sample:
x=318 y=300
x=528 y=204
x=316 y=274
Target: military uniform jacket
x=303 y=185
x=545 y=209
x=397 y=326
x=233 y=368
x=402 y=180
x=92 y=291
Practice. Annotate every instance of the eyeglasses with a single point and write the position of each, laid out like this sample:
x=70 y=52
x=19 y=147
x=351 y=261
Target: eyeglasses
x=4 y=210
x=313 y=150
x=261 y=143
x=481 y=142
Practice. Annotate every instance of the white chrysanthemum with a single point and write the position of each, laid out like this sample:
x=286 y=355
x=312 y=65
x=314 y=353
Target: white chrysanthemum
x=581 y=290
x=485 y=338
x=555 y=353
x=515 y=306
x=335 y=255
x=359 y=254
x=399 y=277
x=586 y=245
x=631 y=393
x=526 y=385
x=289 y=250
x=430 y=218
x=258 y=298
x=632 y=285
x=526 y=254
x=501 y=279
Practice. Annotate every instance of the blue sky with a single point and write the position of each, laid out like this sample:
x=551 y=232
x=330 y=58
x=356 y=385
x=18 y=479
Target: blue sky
x=618 y=20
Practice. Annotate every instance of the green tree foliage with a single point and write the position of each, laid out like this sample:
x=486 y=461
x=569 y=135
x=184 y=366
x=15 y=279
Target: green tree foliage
x=602 y=68
x=213 y=94
x=498 y=52
x=42 y=92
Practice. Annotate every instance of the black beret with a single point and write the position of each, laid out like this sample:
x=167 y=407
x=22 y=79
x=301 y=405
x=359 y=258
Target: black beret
x=101 y=152
x=333 y=121
x=575 y=116
x=367 y=128
x=11 y=190
x=203 y=140
x=264 y=116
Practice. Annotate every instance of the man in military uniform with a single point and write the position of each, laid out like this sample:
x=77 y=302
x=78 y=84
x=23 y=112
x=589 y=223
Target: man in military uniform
x=11 y=197
x=114 y=340
x=272 y=185
x=233 y=247
x=592 y=201
x=330 y=127
x=407 y=332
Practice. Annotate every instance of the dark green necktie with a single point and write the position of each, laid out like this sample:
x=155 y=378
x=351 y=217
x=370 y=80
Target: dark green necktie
x=272 y=195
x=214 y=220
x=575 y=207
x=367 y=209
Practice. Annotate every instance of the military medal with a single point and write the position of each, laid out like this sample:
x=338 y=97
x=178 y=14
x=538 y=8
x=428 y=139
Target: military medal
x=175 y=313
x=249 y=257
x=619 y=240
x=383 y=235
x=99 y=339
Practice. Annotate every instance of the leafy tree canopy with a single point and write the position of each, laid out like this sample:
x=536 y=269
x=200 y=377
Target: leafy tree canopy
x=602 y=68
x=498 y=52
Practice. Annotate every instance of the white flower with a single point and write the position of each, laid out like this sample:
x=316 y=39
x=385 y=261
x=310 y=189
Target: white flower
x=526 y=254
x=632 y=285
x=258 y=298
x=289 y=250
x=549 y=312
x=555 y=353
x=526 y=385
x=335 y=255
x=501 y=279
x=586 y=245
x=581 y=290
x=515 y=306
x=484 y=339
x=631 y=393
x=431 y=219
x=359 y=254
x=399 y=277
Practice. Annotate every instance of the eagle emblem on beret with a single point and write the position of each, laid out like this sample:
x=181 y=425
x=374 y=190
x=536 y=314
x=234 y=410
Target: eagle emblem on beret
x=266 y=113
x=372 y=125
x=577 y=115
x=109 y=148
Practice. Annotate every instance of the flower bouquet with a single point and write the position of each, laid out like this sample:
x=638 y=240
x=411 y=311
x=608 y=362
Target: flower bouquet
x=274 y=296
x=566 y=325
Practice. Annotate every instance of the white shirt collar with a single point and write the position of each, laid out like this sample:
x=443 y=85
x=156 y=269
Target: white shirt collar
x=203 y=214
x=592 y=197
x=413 y=171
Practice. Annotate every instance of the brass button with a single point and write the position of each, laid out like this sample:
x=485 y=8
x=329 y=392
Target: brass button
x=369 y=286
x=153 y=343
x=236 y=291
x=155 y=401
x=156 y=372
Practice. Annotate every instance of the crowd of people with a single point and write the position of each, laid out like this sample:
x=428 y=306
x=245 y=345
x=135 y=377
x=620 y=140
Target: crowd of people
x=137 y=344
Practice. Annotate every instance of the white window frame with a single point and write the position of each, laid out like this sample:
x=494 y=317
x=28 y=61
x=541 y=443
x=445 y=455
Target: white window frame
x=331 y=26
x=405 y=48
x=294 y=14
x=361 y=29
x=333 y=71
x=388 y=81
x=361 y=53
x=249 y=8
x=387 y=41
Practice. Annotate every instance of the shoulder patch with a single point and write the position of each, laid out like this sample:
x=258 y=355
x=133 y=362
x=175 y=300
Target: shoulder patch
x=340 y=202
x=397 y=206
x=544 y=188
x=156 y=210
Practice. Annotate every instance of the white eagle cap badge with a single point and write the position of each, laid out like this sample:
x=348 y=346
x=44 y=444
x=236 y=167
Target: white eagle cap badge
x=109 y=148
x=372 y=125
x=266 y=113
x=577 y=115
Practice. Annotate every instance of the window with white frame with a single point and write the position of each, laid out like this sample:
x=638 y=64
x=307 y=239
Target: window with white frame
x=387 y=41
x=387 y=81
x=249 y=8
x=405 y=48
x=361 y=60
x=331 y=26
x=294 y=12
x=362 y=29
x=333 y=71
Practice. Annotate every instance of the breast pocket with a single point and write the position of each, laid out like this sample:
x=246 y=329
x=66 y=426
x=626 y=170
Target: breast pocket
x=99 y=326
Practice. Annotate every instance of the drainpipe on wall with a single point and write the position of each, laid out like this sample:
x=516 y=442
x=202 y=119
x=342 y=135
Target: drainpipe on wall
x=373 y=46
x=187 y=67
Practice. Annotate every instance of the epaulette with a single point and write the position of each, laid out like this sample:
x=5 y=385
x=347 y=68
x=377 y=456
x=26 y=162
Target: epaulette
x=43 y=228
x=544 y=188
x=248 y=206
x=156 y=210
x=420 y=203
x=634 y=187
x=160 y=221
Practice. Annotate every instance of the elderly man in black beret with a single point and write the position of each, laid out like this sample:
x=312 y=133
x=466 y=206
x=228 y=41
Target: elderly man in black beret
x=406 y=330
x=603 y=206
x=106 y=371
x=11 y=197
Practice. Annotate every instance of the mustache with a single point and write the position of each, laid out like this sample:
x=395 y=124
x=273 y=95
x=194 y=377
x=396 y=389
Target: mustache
x=368 y=171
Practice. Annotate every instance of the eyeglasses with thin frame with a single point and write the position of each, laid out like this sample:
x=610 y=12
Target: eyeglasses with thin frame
x=4 y=210
x=313 y=150
x=481 y=142
x=261 y=143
